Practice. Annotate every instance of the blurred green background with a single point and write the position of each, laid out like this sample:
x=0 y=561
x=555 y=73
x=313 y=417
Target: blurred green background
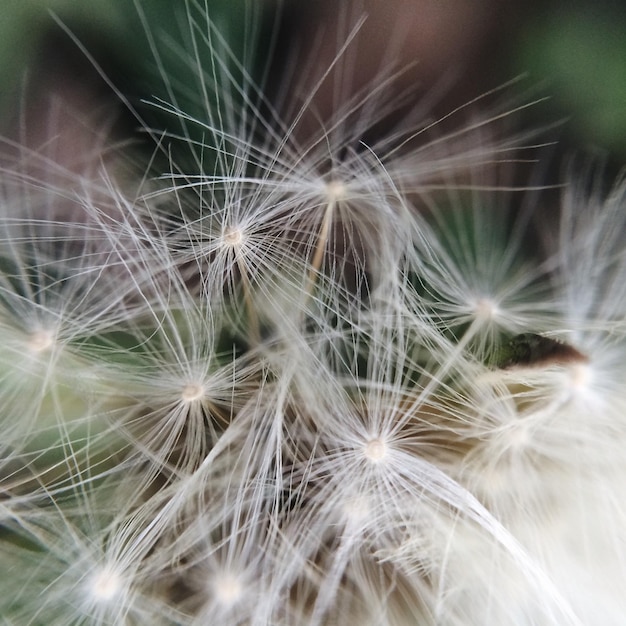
x=578 y=49
x=115 y=33
x=575 y=51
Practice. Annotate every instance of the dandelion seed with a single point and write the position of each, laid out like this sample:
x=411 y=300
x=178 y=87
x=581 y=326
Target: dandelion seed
x=234 y=237
x=41 y=341
x=227 y=590
x=376 y=450
x=486 y=310
x=580 y=376
x=336 y=191
x=105 y=585
x=192 y=392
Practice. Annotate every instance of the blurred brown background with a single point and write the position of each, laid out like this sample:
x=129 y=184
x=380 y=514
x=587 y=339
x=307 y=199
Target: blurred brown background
x=453 y=50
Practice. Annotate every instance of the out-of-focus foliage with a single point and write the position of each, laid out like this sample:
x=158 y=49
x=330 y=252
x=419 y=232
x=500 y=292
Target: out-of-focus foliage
x=576 y=49
x=579 y=50
x=116 y=33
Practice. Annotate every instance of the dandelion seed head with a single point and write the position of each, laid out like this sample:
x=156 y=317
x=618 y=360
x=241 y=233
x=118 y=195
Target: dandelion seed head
x=313 y=264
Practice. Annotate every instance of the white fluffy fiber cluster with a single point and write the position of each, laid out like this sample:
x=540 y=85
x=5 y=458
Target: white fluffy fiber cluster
x=265 y=389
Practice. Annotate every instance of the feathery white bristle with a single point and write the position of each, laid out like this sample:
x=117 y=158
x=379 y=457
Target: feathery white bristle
x=272 y=386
